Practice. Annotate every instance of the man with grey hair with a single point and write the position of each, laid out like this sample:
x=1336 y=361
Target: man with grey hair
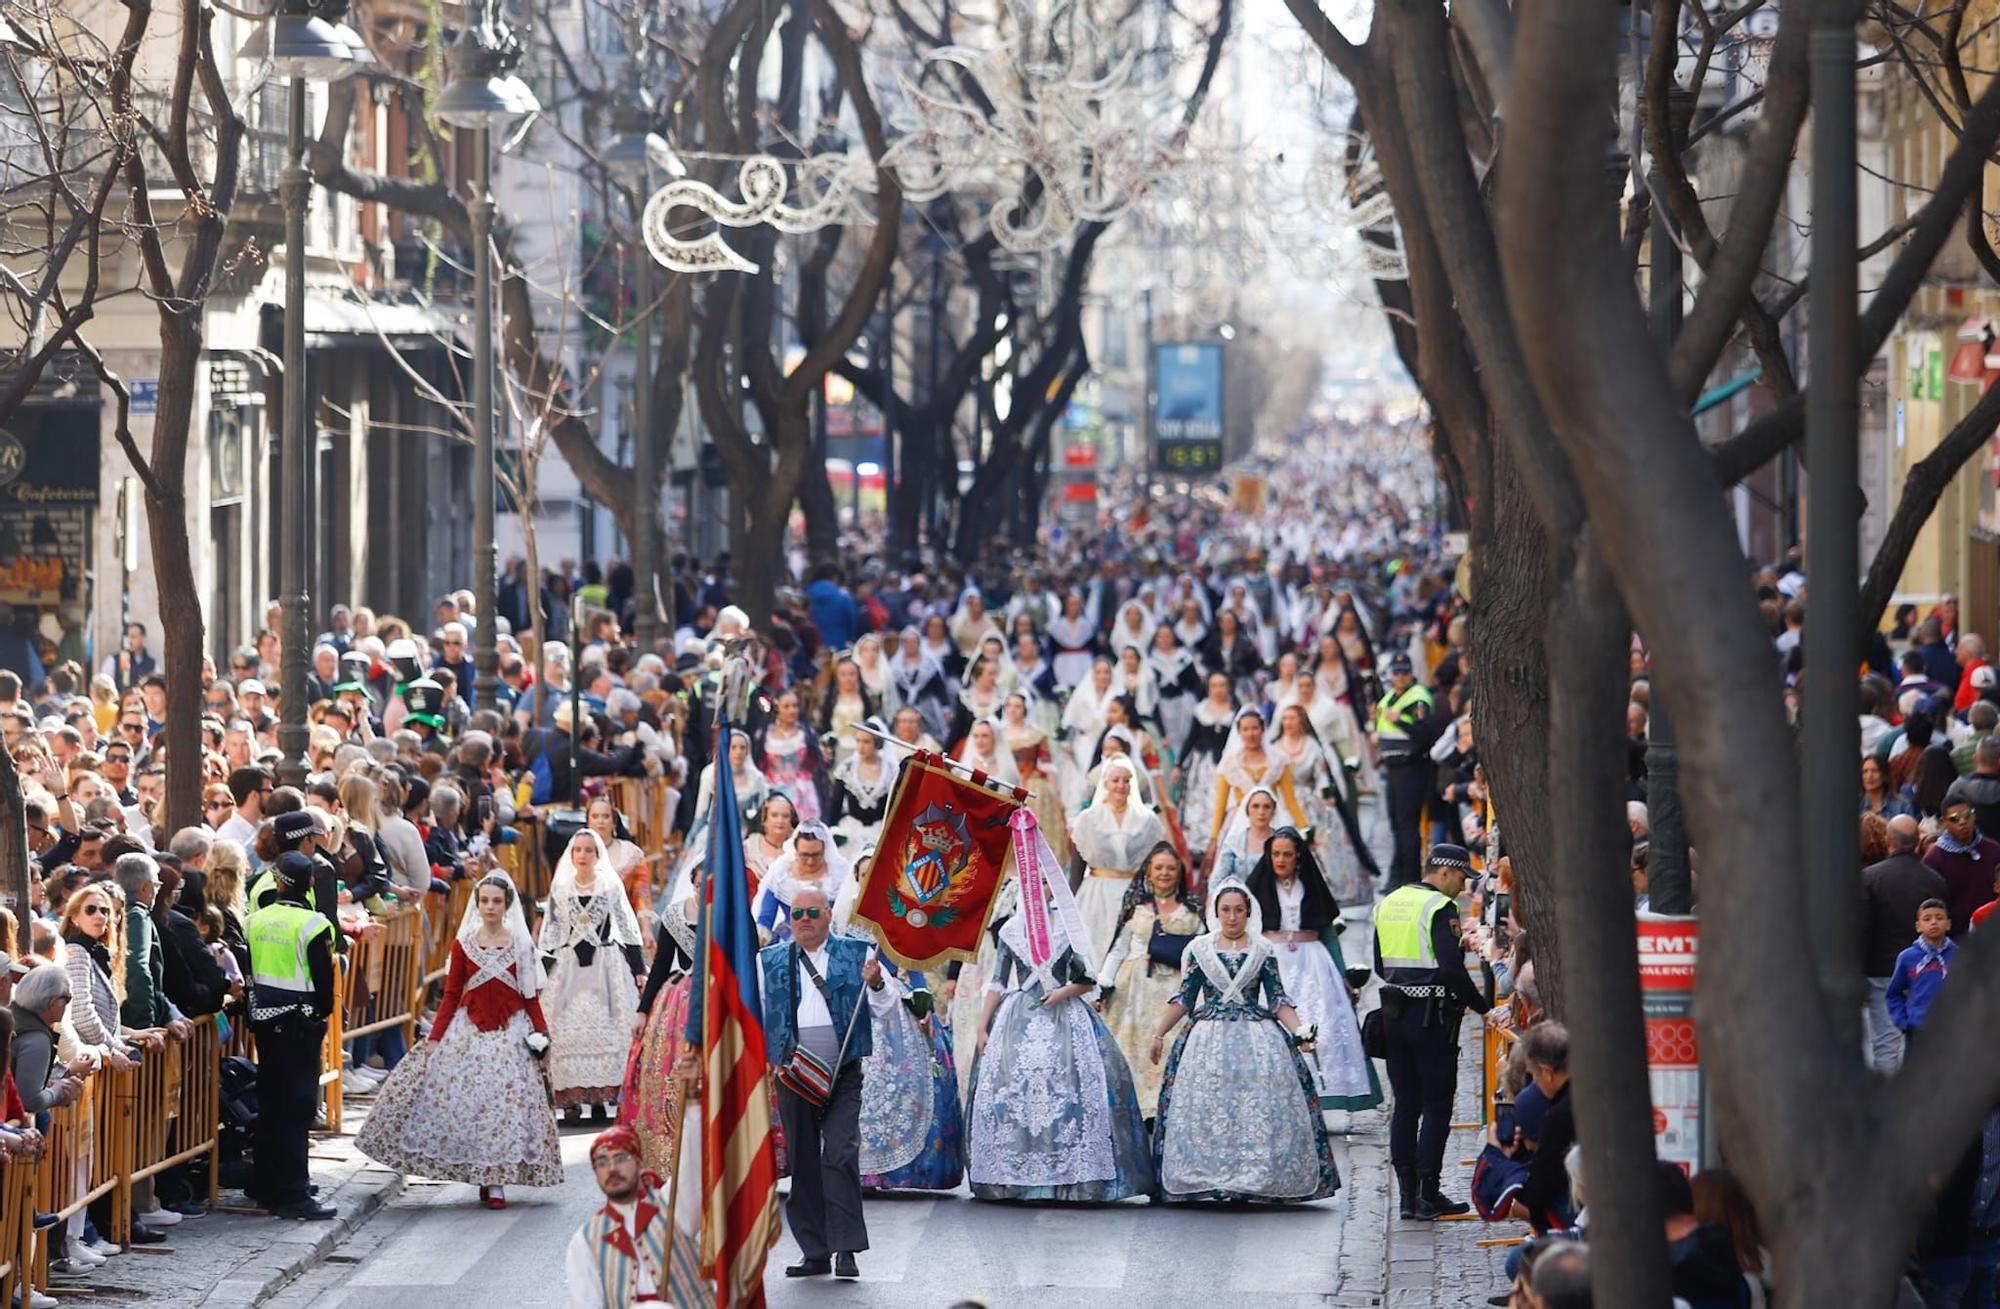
x=146 y=1004
x=191 y=846
x=39 y=1001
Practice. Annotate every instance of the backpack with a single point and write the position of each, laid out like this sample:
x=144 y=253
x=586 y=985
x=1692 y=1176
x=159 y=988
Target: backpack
x=542 y=774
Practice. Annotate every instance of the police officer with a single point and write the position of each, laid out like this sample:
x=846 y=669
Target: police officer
x=299 y=831
x=1425 y=992
x=1404 y=733
x=291 y=996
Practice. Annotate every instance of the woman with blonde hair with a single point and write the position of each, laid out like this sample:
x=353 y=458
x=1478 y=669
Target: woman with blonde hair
x=228 y=870
x=103 y=702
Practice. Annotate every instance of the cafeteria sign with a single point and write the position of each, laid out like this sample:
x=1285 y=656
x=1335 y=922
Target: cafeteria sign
x=48 y=456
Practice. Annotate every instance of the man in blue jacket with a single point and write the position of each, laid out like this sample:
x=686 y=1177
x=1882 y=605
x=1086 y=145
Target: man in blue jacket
x=833 y=609
x=811 y=992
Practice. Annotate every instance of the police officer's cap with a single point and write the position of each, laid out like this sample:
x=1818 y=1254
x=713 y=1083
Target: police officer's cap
x=294 y=870
x=1399 y=664
x=1445 y=855
x=293 y=828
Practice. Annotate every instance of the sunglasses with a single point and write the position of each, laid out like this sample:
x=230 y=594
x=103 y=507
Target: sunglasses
x=136 y=729
x=216 y=804
x=95 y=911
x=118 y=759
x=805 y=913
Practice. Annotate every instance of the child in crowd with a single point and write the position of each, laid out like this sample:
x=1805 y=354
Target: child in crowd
x=1922 y=968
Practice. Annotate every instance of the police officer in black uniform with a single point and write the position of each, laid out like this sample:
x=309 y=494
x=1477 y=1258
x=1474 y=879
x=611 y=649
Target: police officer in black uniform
x=1425 y=993
x=291 y=997
x=1406 y=726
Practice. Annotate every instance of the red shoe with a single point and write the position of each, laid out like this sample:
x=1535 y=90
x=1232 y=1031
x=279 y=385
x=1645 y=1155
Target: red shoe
x=495 y=1199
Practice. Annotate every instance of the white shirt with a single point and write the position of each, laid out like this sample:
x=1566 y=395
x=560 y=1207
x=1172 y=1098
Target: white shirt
x=580 y=1269
x=239 y=829
x=812 y=1005
x=1291 y=904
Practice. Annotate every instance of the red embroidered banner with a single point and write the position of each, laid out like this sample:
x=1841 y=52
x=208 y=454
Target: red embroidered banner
x=941 y=858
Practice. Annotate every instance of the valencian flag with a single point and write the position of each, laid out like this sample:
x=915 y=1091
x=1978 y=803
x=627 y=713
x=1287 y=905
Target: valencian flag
x=739 y=1164
x=941 y=857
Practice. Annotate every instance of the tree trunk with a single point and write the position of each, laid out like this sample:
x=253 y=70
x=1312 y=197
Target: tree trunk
x=1588 y=638
x=759 y=553
x=173 y=568
x=1513 y=595
x=822 y=513
x=916 y=471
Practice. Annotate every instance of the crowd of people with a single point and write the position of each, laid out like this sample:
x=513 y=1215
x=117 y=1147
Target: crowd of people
x=1210 y=706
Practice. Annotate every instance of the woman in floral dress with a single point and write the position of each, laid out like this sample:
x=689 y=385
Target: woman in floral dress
x=470 y=1104
x=1142 y=971
x=1035 y=764
x=1239 y=1117
x=1053 y=1115
x=653 y=1098
x=789 y=755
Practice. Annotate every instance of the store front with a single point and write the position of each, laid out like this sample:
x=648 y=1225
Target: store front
x=48 y=496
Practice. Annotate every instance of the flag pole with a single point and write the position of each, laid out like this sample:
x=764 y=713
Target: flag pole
x=1017 y=794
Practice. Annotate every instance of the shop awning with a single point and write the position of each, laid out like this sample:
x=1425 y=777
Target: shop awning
x=338 y=320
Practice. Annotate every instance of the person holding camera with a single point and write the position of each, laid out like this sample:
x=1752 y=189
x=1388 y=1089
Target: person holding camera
x=291 y=996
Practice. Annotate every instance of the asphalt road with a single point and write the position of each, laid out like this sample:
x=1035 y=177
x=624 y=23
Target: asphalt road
x=436 y=1247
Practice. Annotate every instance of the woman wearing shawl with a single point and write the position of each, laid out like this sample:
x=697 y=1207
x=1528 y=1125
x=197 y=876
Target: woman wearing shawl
x=1075 y=638
x=1177 y=682
x=752 y=787
x=938 y=644
x=1247 y=833
x=624 y=858
x=470 y=1104
x=980 y=699
x=1142 y=970
x=1239 y=1118
x=1248 y=763
x=1053 y=1114
x=917 y=681
x=1112 y=836
x=970 y=623
x=1232 y=651
x=1132 y=629
x=1083 y=722
x=653 y=1098
x=861 y=786
x=912 y=1133
x=590 y=948
x=982 y=751
x=873 y=666
x=809 y=860
x=1200 y=758
x=790 y=756
x=844 y=703
x=1322 y=788
x=1301 y=920
x=1034 y=763
x=1133 y=680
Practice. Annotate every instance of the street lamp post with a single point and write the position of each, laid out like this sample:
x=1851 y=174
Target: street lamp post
x=304 y=41
x=484 y=94
x=629 y=157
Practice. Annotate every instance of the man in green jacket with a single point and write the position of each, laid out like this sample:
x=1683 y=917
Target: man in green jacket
x=146 y=1004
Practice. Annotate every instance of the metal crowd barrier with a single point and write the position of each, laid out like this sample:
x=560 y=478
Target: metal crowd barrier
x=17 y=1229
x=127 y=1126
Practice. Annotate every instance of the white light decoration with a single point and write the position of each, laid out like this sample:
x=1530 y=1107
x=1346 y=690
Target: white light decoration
x=832 y=185
x=1063 y=124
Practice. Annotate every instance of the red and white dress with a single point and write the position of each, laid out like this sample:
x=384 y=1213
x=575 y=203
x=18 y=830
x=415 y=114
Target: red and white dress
x=471 y=1104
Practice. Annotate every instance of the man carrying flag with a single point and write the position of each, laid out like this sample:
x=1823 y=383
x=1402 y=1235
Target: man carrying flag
x=739 y=1165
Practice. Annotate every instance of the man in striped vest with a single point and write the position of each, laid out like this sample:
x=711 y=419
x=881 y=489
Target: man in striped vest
x=619 y=1258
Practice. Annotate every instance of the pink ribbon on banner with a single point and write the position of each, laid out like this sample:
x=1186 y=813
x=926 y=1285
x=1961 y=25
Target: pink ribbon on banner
x=1034 y=890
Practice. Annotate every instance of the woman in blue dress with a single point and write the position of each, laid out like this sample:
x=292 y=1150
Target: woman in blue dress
x=1053 y=1114
x=1239 y=1114
x=912 y=1132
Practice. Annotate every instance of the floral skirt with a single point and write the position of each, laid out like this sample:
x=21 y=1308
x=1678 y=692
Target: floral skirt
x=912 y=1136
x=590 y=1011
x=1053 y=1114
x=470 y=1107
x=652 y=1099
x=1239 y=1115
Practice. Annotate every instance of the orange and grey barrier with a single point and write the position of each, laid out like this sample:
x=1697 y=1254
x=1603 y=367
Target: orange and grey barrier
x=331 y=1052
x=17 y=1229
x=172 y=1107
